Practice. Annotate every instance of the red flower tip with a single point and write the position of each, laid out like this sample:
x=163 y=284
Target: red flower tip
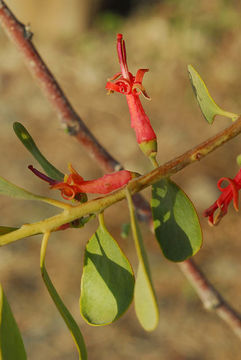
x=229 y=193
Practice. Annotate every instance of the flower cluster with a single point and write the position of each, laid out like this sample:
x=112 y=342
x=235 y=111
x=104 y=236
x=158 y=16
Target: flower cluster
x=229 y=193
x=131 y=86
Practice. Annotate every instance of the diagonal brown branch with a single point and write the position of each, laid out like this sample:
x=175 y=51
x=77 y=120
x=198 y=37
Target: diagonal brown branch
x=21 y=37
x=71 y=121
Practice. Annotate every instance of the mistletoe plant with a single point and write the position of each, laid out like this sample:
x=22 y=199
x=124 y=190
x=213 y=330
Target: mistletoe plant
x=108 y=283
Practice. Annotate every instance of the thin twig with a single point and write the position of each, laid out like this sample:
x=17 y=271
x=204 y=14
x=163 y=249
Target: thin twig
x=21 y=37
x=211 y=298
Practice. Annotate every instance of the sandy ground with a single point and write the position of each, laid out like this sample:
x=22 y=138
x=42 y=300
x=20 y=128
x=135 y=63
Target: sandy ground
x=164 y=38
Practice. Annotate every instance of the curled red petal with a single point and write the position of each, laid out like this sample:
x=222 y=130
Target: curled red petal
x=140 y=87
x=74 y=178
x=219 y=215
x=139 y=75
x=231 y=191
x=210 y=210
x=215 y=217
x=116 y=76
x=112 y=87
x=68 y=192
x=237 y=178
x=122 y=86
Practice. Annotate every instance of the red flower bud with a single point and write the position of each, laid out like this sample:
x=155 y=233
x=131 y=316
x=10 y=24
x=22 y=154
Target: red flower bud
x=74 y=185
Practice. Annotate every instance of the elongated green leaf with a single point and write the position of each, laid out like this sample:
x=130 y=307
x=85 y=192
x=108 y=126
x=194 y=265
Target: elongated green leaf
x=107 y=282
x=207 y=105
x=144 y=295
x=176 y=223
x=6 y=230
x=64 y=312
x=30 y=145
x=9 y=189
x=11 y=343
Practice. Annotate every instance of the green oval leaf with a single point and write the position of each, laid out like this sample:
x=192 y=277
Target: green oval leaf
x=175 y=220
x=144 y=295
x=11 y=343
x=64 y=312
x=107 y=282
x=30 y=145
x=207 y=105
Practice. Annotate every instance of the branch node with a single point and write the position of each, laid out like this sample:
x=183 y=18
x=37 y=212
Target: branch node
x=27 y=33
x=213 y=302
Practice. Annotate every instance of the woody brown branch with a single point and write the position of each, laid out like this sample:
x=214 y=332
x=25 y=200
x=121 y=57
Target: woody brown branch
x=22 y=38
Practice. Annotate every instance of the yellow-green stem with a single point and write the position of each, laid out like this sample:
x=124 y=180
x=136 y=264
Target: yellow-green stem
x=154 y=161
x=101 y=219
x=43 y=248
x=137 y=184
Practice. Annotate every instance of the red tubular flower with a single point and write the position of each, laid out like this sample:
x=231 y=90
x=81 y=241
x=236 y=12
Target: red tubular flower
x=229 y=193
x=131 y=86
x=74 y=185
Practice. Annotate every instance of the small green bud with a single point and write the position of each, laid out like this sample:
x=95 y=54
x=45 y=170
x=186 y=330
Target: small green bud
x=149 y=148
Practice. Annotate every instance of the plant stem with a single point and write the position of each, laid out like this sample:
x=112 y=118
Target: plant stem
x=101 y=219
x=43 y=248
x=154 y=161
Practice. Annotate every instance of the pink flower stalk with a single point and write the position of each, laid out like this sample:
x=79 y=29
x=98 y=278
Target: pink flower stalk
x=131 y=86
x=229 y=193
x=74 y=185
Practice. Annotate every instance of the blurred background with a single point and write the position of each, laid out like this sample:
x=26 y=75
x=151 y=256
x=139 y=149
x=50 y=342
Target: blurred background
x=77 y=40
